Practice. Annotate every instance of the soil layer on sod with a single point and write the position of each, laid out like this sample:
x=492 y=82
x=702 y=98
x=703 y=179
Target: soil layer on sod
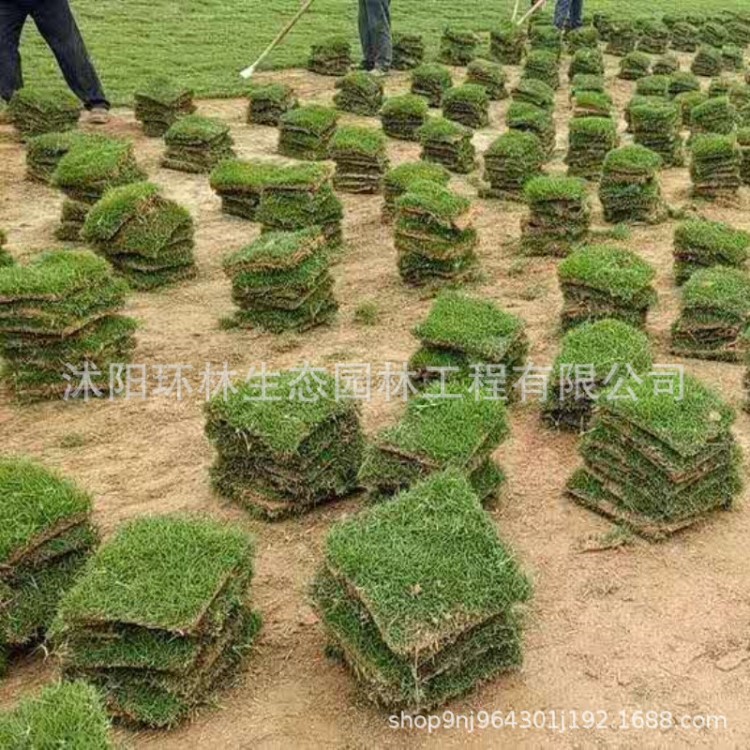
x=700 y=243
x=160 y=103
x=361 y=159
x=402 y=116
x=43 y=152
x=359 y=93
x=509 y=163
x=707 y=62
x=467 y=104
x=35 y=112
x=197 y=144
x=266 y=103
x=431 y=81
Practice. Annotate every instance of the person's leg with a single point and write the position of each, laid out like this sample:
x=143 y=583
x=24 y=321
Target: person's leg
x=562 y=11
x=56 y=24
x=576 y=14
x=368 y=62
x=12 y=18
x=379 y=16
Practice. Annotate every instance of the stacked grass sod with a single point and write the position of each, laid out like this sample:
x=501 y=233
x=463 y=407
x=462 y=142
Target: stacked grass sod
x=585 y=37
x=682 y=81
x=714 y=321
x=34 y=112
x=638 y=101
x=305 y=132
x=196 y=144
x=622 y=39
x=62 y=309
x=720 y=86
x=685 y=37
x=656 y=126
x=590 y=139
x=43 y=152
x=46 y=538
x=434 y=235
x=527 y=118
x=490 y=75
x=717 y=115
x=544 y=37
x=715 y=166
x=160 y=103
x=161 y=617
x=714 y=33
x=448 y=143
x=402 y=116
x=458 y=46
x=146 y=237
x=240 y=184
x=398 y=179
x=739 y=96
x=707 y=62
x=507 y=43
x=431 y=80
x=687 y=102
x=701 y=243
x=534 y=91
x=654 y=37
x=666 y=64
x=586 y=61
x=604 y=24
x=468 y=104
x=738 y=30
x=587 y=82
x=330 y=57
x=599 y=281
x=63 y=715
x=282 y=282
x=653 y=85
x=657 y=463
x=743 y=142
x=592 y=104
x=282 y=456
x=361 y=159
x=465 y=333
x=510 y=162
x=360 y=93
x=559 y=215
x=266 y=103
x=417 y=620
x=6 y=259
x=732 y=57
x=629 y=190
x=408 y=51
x=634 y=65
x=544 y=66
x=592 y=355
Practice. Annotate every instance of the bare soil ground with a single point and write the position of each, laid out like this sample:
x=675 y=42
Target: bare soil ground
x=662 y=627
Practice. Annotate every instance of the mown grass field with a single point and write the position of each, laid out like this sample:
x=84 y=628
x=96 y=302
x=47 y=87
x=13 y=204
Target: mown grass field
x=206 y=42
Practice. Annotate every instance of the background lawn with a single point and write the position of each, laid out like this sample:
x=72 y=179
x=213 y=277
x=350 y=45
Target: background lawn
x=207 y=42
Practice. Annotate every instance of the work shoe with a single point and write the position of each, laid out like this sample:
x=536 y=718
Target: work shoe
x=379 y=73
x=98 y=115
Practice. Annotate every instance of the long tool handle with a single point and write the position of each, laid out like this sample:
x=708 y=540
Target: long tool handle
x=531 y=12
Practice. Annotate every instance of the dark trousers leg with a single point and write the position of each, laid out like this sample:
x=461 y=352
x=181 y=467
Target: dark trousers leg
x=379 y=18
x=365 y=39
x=562 y=11
x=11 y=24
x=56 y=24
x=576 y=14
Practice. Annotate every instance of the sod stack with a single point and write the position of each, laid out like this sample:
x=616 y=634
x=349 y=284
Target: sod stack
x=468 y=105
x=448 y=143
x=240 y=184
x=666 y=64
x=398 y=180
x=305 y=132
x=268 y=102
x=715 y=166
x=653 y=85
x=46 y=536
x=469 y=336
x=657 y=463
x=507 y=43
x=656 y=126
x=330 y=57
x=687 y=102
x=458 y=46
x=683 y=81
x=544 y=37
x=533 y=91
x=585 y=82
x=509 y=163
x=732 y=58
x=629 y=190
x=33 y=112
x=490 y=76
x=146 y=237
x=600 y=282
x=707 y=62
x=196 y=144
x=714 y=321
x=544 y=66
x=654 y=37
x=431 y=81
x=714 y=33
x=281 y=282
x=527 y=118
x=43 y=152
x=700 y=244
x=160 y=619
x=62 y=309
x=434 y=235
x=408 y=51
x=584 y=37
x=685 y=37
x=361 y=159
x=634 y=65
x=604 y=24
x=743 y=141
x=559 y=215
x=717 y=115
x=590 y=139
x=592 y=104
x=417 y=620
x=160 y=103
x=283 y=455
x=622 y=39
x=586 y=61
x=720 y=86
x=403 y=116
x=360 y=93
x=592 y=356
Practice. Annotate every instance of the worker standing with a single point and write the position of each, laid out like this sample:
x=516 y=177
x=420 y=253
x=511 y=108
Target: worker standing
x=569 y=14
x=375 y=35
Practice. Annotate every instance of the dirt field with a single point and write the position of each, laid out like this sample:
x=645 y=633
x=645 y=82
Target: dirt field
x=655 y=627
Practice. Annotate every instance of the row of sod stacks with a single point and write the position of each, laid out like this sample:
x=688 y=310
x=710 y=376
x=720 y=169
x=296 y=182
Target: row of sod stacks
x=84 y=174
x=656 y=462
x=160 y=103
x=146 y=237
x=543 y=66
x=699 y=244
x=510 y=162
x=622 y=39
x=282 y=282
x=584 y=37
x=417 y=619
x=743 y=142
x=330 y=57
x=629 y=190
x=654 y=37
x=467 y=336
x=408 y=51
x=657 y=127
x=685 y=37
x=197 y=144
x=714 y=321
x=240 y=184
x=160 y=618
x=62 y=310
x=592 y=104
x=715 y=166
x=707 y=62
x=305 y=132
x=361 y=159
x=431 y=81
x=468 y=105
x=528 y=118
x=507 y=43
x=45 y=539
x=360 y=93
x=666 y=64
x=281 y=453
x=402 y=116
x=533 y=91
x=682 y=81
x=717 y=115
x=687 y=101
x=448 y=143
x=458 y=46
x=634 y=65
x=592 y=356
x=43 y=152
x=34 y=112
x=434 y=234
x=559 y=215
x=398 y=180
x=266 y=103
x=586 y=61
x=590 y=139
x=600 y=282
x=490 y=76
